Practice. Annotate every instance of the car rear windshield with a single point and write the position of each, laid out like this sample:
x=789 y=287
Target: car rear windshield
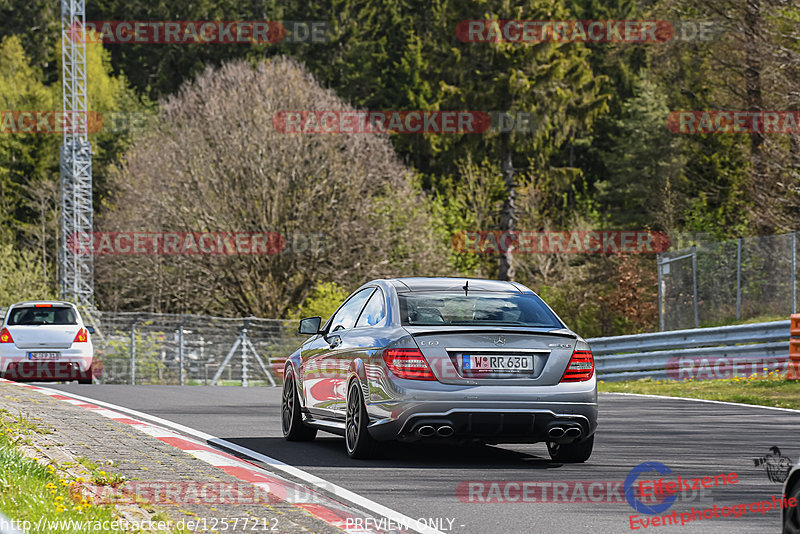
x=30 y=315
x=475 y=309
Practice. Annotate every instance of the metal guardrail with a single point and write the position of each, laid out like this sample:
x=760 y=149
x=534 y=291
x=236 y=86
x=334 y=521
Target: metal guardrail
x=660 y=355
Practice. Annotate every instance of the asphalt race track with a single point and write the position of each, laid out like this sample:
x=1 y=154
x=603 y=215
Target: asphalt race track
x=693 y=439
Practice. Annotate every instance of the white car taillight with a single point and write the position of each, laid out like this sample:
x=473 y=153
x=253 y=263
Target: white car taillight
x=81 y=337
x=5 y=336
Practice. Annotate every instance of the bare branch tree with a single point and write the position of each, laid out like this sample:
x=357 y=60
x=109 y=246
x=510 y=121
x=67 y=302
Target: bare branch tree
x=217 y=163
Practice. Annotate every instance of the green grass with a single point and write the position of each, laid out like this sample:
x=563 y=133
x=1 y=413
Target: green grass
x=87 y=463
x=771 y=390
x=98 y=476
x=30 y=490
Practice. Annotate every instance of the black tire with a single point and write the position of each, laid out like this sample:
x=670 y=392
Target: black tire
x=357 y=440
x=291 y=418
x=86 y=377
x=572 y=453
x=791 y=515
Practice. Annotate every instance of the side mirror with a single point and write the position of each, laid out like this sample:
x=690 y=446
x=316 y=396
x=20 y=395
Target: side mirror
x=310 y=325
x=90 y=329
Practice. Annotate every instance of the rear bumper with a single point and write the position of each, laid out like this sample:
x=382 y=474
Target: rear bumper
x=494 y=414
x=494 y=426
x=73 y=364
x=489 y=422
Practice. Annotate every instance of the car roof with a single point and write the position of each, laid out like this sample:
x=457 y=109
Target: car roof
x=34 y=302
x=409 y=285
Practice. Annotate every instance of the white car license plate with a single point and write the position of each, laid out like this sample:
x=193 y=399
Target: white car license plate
x=44 y=355
x=506 y=362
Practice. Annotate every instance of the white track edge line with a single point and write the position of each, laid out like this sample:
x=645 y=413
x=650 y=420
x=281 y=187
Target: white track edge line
x=328 y=486
x=153 y=418
x=792 y=410
x=305 y=476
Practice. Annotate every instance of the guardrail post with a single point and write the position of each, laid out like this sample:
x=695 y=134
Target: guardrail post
x=660 y=295
x=180 y=352
x=793 y=365
x=244 y=357
x=739 y=278
x=133 y=354
x=794 y=275
x=694 y=284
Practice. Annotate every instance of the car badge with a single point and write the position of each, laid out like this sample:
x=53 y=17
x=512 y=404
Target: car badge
x=500 y=340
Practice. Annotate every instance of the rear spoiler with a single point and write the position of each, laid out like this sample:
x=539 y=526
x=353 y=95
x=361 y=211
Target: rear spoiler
x=420 y=330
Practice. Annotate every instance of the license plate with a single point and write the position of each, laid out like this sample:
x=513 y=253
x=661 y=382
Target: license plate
x=44 y=355
x=506 y=362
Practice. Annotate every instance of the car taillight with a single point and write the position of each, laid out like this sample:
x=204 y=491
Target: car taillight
x=81 y=336
x=5 y=336
x=580 y=368
x=408 y=363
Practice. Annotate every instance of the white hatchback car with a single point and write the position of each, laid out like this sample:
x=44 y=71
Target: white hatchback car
x=45 y=341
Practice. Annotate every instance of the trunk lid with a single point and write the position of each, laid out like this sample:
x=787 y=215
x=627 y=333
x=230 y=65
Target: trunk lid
x=461 y=355
x=43 y=336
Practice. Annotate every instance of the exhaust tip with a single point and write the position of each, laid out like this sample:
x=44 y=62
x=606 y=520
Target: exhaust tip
x=445 y=431
x=573 y=432
x=426 y=431
x=555 y=432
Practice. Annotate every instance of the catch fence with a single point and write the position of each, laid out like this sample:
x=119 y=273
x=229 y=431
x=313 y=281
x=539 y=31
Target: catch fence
x=150 y=348
x=711 y=284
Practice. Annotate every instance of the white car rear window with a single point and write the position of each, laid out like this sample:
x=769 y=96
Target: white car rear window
x=30 y=315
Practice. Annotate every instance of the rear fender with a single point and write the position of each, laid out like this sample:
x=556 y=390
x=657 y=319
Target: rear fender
x=357 y=371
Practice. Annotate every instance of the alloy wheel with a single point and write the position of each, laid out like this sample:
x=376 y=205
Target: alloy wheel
x=287 y=405
x=353 y=419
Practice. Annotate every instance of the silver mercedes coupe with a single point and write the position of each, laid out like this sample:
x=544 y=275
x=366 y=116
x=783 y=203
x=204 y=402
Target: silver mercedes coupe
x=442 y=359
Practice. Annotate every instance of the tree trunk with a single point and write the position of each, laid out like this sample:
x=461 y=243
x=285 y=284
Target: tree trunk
x=794 y=155
x=508 y=217
x=752 y=78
